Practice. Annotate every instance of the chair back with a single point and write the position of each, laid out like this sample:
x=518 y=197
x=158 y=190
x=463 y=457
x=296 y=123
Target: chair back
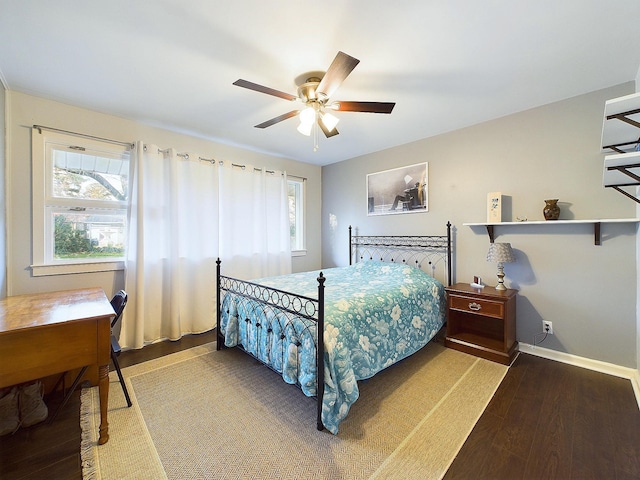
x=118 y=302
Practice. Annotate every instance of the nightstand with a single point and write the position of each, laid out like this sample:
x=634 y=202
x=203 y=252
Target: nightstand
x=482 y=322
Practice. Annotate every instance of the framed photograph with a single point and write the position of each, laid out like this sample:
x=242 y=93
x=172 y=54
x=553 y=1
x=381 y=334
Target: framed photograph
x=400 y=190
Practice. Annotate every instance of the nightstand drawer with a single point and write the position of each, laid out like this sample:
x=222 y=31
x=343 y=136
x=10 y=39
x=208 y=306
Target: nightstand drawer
x=478 y=306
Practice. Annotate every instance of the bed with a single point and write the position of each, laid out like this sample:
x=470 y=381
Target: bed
x=384 y=306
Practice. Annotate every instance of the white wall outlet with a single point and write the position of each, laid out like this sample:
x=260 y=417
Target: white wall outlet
x=547 y=327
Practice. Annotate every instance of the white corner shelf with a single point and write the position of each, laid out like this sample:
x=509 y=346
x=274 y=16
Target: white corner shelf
x=595 y=222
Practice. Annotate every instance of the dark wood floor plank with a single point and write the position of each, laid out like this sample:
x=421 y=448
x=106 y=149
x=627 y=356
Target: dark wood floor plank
x=593 y=451
x=501 y=465
x=624 y=419
x=550 y=455
x=521 y=420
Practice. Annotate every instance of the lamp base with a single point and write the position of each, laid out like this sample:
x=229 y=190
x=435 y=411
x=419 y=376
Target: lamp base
x=500 y=285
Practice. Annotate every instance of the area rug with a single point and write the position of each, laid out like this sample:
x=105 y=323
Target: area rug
x=203 y=413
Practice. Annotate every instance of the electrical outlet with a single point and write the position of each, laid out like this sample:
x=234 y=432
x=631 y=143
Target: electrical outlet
x=547 y=327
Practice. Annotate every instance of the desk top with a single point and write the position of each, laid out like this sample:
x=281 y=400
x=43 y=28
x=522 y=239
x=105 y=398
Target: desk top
x=42 y=309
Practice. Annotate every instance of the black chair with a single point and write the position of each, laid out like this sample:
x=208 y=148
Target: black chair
x=118 y=302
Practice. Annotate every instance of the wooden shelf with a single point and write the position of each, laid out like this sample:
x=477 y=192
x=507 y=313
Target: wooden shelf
x=596 y=225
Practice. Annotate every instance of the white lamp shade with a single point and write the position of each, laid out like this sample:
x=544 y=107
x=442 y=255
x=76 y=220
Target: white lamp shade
x=500 y=253
x=308 y=116
x=330 y=121
x=305 y=128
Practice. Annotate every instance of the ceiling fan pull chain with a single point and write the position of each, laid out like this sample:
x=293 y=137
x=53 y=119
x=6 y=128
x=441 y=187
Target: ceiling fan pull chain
x=315 y=136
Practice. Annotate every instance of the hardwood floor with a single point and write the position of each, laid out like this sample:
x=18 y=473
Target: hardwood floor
x=552 y=420
x=547 y=420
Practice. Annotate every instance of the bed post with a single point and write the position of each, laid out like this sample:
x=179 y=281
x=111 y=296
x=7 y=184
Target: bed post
x=449 y=279
x=320 y=349
x=350 y=246
x=219 y=338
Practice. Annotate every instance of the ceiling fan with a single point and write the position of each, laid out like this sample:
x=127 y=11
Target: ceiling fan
x=314 y=92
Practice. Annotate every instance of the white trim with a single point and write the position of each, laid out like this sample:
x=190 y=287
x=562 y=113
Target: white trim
x=298 y=253
x=8 y=189
x=3 y=80
x=68 y=268
x=631 y=374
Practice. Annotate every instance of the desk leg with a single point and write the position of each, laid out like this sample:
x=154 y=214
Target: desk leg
x=103 y=386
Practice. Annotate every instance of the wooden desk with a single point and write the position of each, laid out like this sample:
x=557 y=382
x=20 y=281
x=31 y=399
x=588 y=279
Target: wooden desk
x=47 y=333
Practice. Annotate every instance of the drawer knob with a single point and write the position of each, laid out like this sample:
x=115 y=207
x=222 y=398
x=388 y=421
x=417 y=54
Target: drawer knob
x=474 y=306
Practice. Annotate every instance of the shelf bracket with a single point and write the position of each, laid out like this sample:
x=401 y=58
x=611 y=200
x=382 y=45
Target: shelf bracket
x=596 y=233
x=624 y=117
x=490 y=233
x=626 y=194
x=625 y=169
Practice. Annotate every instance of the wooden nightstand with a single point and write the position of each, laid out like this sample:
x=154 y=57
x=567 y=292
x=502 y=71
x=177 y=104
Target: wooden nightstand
x=482 y=322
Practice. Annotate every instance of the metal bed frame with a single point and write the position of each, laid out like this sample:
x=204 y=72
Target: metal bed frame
x=274 y=303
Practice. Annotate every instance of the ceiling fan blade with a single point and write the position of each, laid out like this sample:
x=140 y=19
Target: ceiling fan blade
x=370 y=107
x=328 y=133
x=263 y=89
x=278 y=119
x=339 y=69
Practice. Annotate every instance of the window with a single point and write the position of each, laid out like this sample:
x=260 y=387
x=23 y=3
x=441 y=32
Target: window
x=296 y=215
x=80 y=201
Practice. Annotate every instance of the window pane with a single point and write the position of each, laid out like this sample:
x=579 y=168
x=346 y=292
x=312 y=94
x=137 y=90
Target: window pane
x=88 y=235
x=89 y=176
x=295 y=194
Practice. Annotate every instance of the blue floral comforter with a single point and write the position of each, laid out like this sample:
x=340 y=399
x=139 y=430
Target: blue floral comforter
x=376 y=314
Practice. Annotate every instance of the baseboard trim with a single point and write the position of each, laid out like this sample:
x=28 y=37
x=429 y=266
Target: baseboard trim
x=633 y=375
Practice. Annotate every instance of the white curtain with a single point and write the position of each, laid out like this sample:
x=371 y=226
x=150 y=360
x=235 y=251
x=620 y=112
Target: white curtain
x=173 y=246
x=255 y=239
x=185 y=213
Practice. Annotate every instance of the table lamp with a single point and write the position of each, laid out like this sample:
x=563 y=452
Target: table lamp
x=500 y=253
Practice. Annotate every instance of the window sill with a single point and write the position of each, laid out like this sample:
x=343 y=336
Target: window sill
x=298 y=253
x=71 y=268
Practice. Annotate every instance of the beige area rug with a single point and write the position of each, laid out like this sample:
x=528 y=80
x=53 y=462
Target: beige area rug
x=202 y=414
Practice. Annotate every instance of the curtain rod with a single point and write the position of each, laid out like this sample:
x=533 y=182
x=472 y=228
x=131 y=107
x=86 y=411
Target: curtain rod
x=221 y=162
x=268 y=171
x=117 y=142
x=186 y=155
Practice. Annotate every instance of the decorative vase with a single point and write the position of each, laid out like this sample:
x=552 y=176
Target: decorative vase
x=551 y=209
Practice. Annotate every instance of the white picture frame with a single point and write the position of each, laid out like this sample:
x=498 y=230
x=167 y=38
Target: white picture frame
x=398 y=190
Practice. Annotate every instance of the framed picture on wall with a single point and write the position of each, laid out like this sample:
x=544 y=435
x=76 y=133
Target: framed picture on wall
x=400 y=190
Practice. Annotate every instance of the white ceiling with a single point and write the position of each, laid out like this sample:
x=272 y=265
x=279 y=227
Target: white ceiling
x=446 y=64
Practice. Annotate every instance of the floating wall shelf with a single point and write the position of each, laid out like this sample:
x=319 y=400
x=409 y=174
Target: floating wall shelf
x=596 y=225
x=621 y=135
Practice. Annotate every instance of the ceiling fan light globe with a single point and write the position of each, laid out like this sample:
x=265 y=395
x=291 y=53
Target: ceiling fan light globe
x=308 y=116
x=305 y=128
x=330 y=121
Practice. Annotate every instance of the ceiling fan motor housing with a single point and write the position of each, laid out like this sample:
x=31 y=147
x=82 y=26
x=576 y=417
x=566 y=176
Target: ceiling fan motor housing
x=307 y=91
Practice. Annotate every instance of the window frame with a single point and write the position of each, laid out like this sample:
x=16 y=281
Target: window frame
x=45 y=205
x=300 y=217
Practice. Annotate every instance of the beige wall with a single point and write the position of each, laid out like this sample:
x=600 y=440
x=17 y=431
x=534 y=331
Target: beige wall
x=587 y=291
x=26 y=110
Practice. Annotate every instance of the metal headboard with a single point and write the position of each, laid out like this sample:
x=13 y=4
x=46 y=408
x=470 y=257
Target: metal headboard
x=426 y=251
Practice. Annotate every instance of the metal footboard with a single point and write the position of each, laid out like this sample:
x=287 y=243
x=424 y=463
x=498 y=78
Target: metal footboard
x=268 y=312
